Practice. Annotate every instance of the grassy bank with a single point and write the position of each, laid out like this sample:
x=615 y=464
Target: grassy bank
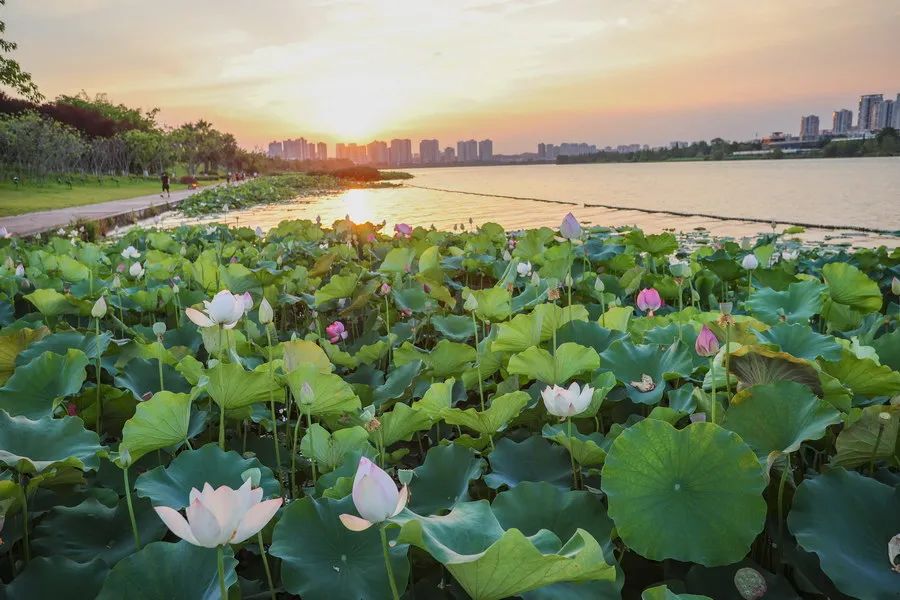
x=16 y=200
x=263 y=190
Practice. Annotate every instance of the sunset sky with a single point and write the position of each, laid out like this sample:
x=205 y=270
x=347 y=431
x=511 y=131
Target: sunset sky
x=517 y=71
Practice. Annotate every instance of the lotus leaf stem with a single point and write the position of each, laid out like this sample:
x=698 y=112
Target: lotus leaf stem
x=265 y=560
x=134 y=527
x=220 y=561
x=387 y=562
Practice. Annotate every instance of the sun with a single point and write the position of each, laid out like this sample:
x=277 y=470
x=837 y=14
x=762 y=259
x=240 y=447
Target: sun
x=356 y=110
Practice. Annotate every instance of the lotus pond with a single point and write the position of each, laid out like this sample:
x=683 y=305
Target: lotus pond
x=345 y=413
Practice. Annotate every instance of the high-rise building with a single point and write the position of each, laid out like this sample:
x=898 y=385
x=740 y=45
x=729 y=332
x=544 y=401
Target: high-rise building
x=322 y=151
x=401 y=152
x=377 y=152
x=310 y=151
x=276 y=150
x=867 y=107
x=896 y=123
x=542 y=150
x=449 y=155
x=841 y=121
x=809 y=127
x=467 y=151
x=485 y=150
x=429 y=151
x=340 y=151
x=356 y=153
x=884 y=114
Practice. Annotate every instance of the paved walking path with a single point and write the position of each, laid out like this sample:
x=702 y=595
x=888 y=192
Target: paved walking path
x=49 y=220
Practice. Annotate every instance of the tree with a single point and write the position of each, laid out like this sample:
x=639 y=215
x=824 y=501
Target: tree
x=11 y=74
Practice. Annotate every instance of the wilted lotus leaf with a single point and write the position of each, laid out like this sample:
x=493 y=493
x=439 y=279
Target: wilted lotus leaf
x=755 y=365
x=873 y=435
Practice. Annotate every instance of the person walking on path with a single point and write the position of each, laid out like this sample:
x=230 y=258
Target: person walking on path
x=165 y=185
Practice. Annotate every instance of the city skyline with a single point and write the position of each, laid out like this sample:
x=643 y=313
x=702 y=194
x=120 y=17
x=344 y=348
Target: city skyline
x=525 y=70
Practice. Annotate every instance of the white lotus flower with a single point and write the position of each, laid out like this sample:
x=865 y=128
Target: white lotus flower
x=247 y=299
x=20 y=270
x=524 y=269
x=136 y=270
x=225 y=309
x=216 y=517
x=130 y=252
x=563 y=403
x=4 y=233
x=750 y=262
x=375 y=496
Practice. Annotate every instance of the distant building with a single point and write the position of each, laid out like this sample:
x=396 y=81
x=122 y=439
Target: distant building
x=276 y=150
x=340 y=151
x=401 y=152
x=357 y=153
x=542 y=150
x=677 y=145
x=485 y=150
x=841 y=121
x=429 y=152
x=322 y=151
x=868 y=105
x=467 y=151
x=884 y=114
x=809 y=127
x=377 y=151
x=449 y=155
x=896 y=124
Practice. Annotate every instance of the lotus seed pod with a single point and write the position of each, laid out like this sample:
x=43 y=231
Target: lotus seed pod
x=750 y=584
x=159 y=329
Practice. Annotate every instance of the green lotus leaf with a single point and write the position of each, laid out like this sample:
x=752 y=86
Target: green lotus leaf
x=756 y=365
x=490 y=563
x=331 y=394
x=33 y=389
x=801 y=341
x=436 y=399
x=533 y=459
x=141 y=377
x=888 y=349
x=569 y=361
x=444 y=360
x=118 y=407
x=92 y=529
x=864 y=376
x=588 y=333
x=493 y=304
x=778 y=417
x=457 y=328
x=299 y=352
x=397 y=382
x=413 y=299
x=232 y=387
x=552 y=317
x=721 y=583
x=339 y=286
x=694 y=494
x=518 y=334
x=797 y=304
x=662 y=592
x=171 y=485
x=847 y=520
x=330 y=449
x=493 y=419
x=430 y=264
x=51 y=303
x=164 y=571
x=158 y=423
x=32 y=447
x=442 y=480
x=400 y=424
x=869 y=438
x=588 y=450
x=851 y=287
x=59 y=578
x=11 y=344
x=630 y=363
x=657 y=244
x=61 y=343
x=337 y=562
x=398 y=260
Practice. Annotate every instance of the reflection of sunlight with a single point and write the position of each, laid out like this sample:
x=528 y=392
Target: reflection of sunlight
x=357 y=204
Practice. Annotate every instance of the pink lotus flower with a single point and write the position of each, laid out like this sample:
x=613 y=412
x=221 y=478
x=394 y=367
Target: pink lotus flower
x=707 y=343
x=570 y=228
x=72 y=409
x=375 y=496
x=216 y=517
x=371 y=238
x=336 y=332
x=648 y=300
x=403 y=230
x=385 y=289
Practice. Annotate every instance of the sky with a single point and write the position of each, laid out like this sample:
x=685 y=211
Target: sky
x=519 y=72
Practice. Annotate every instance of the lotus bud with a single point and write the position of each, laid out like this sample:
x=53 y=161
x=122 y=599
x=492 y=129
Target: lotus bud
x=680 y=269
x=471 y=303
x=8 y=263
x=98 y=311
x=695 y=296
x=599 y=285
x=506 y=256
x=307 y=396
x=535 y=279
x=649 y=301
x=20 y=270
x=895 y=286
x=385 y=289
x=568 y=280
x=570 y=228
x=375 y=497
x=116 y=282
x=175 y=288
x=707 y=343
x=266 y=314
x=254 y=476
x=750 y=262
x=159 y=329
x=136 y=270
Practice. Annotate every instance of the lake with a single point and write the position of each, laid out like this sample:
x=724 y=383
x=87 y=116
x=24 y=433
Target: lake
x=834 y=192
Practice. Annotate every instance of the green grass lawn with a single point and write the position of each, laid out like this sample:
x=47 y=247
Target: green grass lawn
x=47 y=196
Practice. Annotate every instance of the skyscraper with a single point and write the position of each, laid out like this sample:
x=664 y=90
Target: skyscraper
x=467 y=151
x=449 y=155
x=897 y=112
x=867 y=107
x=377 y=152
x=429 y=151
x=401 y=152
x=276 y=150
x=340 y=151
x=841 y=121
x=884 y=114
x=542 y=150
x=809 y=127
x=322 y=151
x=485 y=150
